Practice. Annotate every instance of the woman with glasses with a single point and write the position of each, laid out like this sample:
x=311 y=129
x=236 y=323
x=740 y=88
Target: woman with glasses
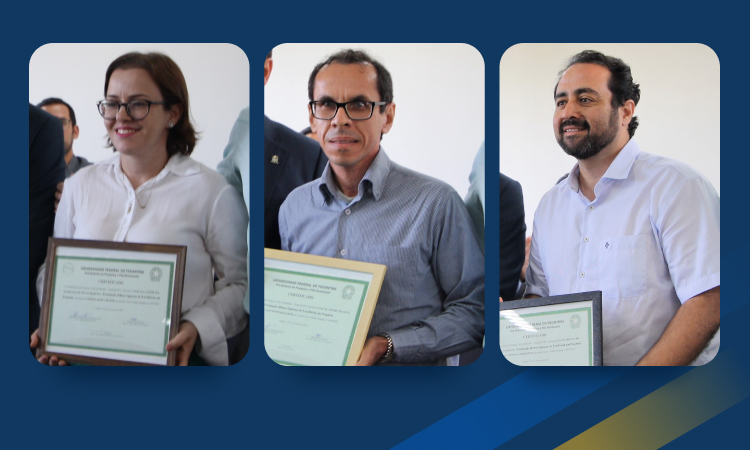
x=151 y=191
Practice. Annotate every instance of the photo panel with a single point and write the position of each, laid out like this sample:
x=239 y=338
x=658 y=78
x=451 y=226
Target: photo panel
x=627 y=206
x=432 y=131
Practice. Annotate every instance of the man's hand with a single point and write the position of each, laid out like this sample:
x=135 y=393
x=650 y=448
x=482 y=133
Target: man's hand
x=53 y=361
x=688 y=333
x=183 y=342
x=58 y=194
x=374 y=349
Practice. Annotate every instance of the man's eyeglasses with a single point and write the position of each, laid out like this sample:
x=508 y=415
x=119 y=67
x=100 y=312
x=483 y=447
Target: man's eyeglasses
x=356 y=110
x=137 y=109
x=66 y=122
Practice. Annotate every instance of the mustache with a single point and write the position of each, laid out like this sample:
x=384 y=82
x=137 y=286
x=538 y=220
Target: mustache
x=581 y=123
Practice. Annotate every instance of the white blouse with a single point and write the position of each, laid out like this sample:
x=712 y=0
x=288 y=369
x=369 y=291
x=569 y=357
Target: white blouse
x=185 y=204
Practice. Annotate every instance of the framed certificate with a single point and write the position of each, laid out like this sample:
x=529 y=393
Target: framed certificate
x=564 y=330
x=111 y=303
x=317 y=310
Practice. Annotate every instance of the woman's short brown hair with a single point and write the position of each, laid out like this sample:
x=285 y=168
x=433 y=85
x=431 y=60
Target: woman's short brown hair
x=168 y=77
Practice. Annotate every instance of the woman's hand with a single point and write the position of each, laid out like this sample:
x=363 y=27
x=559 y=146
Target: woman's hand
x=183 y=342
x=52 y=361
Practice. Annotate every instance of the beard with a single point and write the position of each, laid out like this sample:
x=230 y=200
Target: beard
x=592 y=143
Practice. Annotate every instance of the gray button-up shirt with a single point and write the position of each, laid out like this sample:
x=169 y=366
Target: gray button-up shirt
x=432 y=299
x=76 y=163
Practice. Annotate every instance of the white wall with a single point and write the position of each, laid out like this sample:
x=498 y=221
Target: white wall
x=217 y=77
x=678 y=111
x=438 y=92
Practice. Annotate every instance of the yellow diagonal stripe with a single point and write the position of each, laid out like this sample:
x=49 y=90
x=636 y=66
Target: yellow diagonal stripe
x=672 y=410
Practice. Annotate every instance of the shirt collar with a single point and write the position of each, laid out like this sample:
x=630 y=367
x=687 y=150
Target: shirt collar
x=74 y=164
x=373 y=181
x=572 y=179
x=618 y=170
x=620 y=167
x=178 y=164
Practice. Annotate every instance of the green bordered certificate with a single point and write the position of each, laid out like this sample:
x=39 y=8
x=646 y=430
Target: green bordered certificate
x=111 y=303
x=564 y=330
x=317 y=310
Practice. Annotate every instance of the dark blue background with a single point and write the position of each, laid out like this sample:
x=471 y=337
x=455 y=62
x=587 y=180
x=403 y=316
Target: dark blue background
x=260 y=404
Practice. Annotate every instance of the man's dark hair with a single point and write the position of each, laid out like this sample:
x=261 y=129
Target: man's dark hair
x=270 y=54
x=59 y=101
x=385 y=83
x=621 y=82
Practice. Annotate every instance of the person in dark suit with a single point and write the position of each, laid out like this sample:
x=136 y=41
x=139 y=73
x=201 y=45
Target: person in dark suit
x=291 y=160
x=46 y=169
x=512 y=236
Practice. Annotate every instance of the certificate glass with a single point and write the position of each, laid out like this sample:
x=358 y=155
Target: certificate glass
x=111 y=303
x=317 y=310
x=563 y=330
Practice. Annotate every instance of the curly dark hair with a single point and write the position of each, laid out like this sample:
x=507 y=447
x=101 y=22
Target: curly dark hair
x=168 y=77
x=621 y=82
x=349 y=56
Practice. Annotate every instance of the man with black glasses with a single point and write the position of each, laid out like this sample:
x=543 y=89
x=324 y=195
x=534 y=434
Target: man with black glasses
x=365 y=207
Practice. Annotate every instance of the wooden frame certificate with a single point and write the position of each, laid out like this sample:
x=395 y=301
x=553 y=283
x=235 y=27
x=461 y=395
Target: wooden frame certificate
x=111 y=303
x=564 y=330
x=317 y=310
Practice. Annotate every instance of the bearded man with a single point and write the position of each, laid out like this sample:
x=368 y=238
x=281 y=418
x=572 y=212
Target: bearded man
x=641 y=228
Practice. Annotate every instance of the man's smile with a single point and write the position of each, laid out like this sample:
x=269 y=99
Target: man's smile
x=571 y=127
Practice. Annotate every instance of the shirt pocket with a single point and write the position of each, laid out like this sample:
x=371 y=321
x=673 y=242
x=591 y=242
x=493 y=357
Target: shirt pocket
x=400 y=262
x=622 y=266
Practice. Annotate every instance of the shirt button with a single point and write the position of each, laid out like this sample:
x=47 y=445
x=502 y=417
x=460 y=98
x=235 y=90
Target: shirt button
x=583 y=274
x=348 y=211
x=343 y=252
x=585 y=239
x=591 y=208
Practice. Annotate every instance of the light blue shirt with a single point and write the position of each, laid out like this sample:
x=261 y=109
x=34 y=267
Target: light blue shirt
x=649 y=242
x=432 y=299
x=475 y=198
x=236 y=169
